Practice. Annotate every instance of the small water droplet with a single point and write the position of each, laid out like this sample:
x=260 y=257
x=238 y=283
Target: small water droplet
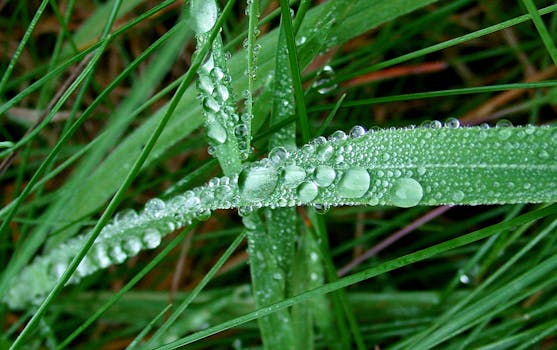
x=338 y=135
x=452 y=123
x=277 y=154
x=152 y=238
x=464 y=279
x=406 y=192
x=458 y=196
x=155 y=208
x=210 y=104
x=307 y=191
x=321 y=208
x=357 y=131
x=257 y=183
x=132 y=245
x=324 y=175
x=293 y=175
x=503 y=123
x=300 y=40
x=325 y=81
x=324 y=152
x=216 y=132
x=543 y=154
x=117 y=254
x=354 y=183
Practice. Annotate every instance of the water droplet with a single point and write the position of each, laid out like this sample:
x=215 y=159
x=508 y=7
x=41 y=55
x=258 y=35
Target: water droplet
x=307 y=191
x=222 y=93
x=101 y=257
x=325 y=81
x=338 y=135
x=503 y=123
x=324 y=175
x=117 y=254
x=132 y=245
x=452 y=123
x=406 y=192
x=277 y=154
x=152 y=238
x=210 y=104
x=241 y=130
x=464 y=279
x=216 y=132
x=458 y=196
x=357 y=131
x=205 y=84
x=205 y=14
x=257 y=183
x=293 y=175
x=155 y=208
x=354 y=183
x=300 y=40
x=321 y=208
x=324 y=152
x=543 y=154
x=421 y=170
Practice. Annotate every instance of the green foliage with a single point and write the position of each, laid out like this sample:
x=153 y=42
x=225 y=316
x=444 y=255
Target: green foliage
x=481 y=276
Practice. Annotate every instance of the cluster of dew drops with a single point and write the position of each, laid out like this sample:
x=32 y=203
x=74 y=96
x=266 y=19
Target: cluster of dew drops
x=282 y=179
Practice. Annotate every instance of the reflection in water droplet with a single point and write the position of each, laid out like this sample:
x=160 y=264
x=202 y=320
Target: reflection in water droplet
x=406 y=192
x=354 y=183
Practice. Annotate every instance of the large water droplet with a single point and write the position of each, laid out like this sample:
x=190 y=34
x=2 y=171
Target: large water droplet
x=357 y=131
x=293 y=175
x=324 y=152
x=205 y=14
x=354 y=183
x=406 y=192
x=257 y=183
x=216 y=132
x=324 y=175
x=307 y=191
x=155 y=208
x=152 y=238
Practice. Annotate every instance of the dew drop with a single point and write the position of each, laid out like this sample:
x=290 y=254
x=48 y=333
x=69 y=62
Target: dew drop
x=210 y=104
x=452 y=123
x=324 y=152
x=257 y=183
x=324 y=175
x=216 y=132
x=321 y=208
x=543 y=154
x=132 y=245
x=421 y=170
x=357 y=131
x=152 y=238
x=406 y=192
x=155 y=208
x=117 y=254
x=278 y=154
x=307 y=191
x=354 y=183
x=293 y=175
x=205 y=14
x=464 y=279
x=458 y=196
x=338 y=135
x=503 y=123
